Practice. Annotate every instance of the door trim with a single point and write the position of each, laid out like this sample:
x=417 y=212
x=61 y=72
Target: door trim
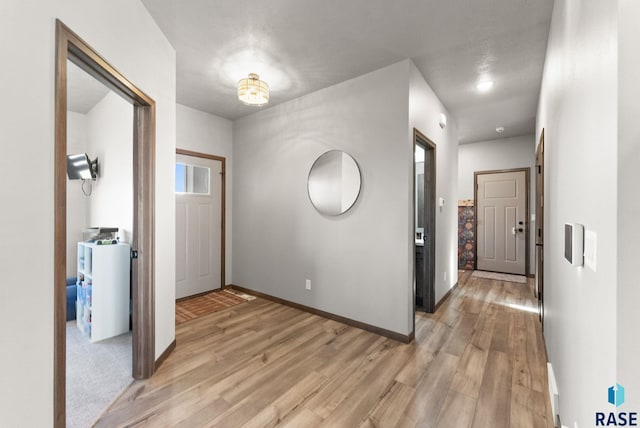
x=526 y=213
x=223 y=198
x=430 y=220
x=539 y=205
x=69 y=46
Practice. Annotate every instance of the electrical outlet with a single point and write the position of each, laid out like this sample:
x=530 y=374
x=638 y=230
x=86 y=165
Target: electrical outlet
x=445 y=276
x=308 y=284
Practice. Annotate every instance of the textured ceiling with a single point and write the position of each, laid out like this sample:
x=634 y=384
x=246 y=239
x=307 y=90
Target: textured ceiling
x=300 y=46
x=83 y=91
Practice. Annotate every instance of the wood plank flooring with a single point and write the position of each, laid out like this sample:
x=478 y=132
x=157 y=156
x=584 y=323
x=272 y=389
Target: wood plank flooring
x=479 y=362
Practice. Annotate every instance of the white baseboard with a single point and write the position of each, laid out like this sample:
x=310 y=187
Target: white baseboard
x=553 y=392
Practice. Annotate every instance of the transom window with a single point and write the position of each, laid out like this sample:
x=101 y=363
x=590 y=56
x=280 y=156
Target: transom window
x=192 y=179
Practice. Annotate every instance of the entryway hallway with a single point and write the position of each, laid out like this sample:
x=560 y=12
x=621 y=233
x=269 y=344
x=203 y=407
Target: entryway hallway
x=479 y=361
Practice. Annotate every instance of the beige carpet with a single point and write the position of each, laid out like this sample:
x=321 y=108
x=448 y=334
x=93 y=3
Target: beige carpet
x=97 y=373
x=215 y=301
x=500 y=276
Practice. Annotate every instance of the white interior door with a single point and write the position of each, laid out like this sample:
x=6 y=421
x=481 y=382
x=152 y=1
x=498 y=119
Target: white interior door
x=198 y=225
x=502 y=226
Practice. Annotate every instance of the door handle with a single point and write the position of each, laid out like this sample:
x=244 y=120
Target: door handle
x=513 y=230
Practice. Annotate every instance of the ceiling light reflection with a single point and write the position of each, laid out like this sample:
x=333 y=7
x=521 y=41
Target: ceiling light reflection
x=522 y=308
x=485 y=86
x=238 y=63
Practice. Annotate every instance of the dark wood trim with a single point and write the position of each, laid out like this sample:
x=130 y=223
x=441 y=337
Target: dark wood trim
x=539 y=235
x=446 y=296
x=414 y=276
x=223 y=197
x=527 y=216
x=161 y=359
x=70 y=47
x=475 y=221
x=430 y=218
x=60 y=231
x=348 y=321
x=143 y=268
x=200 y=155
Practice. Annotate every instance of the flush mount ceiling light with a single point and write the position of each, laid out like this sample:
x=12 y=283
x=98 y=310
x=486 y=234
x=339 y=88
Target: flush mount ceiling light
x=500 y=129
x=485 y=85
x=252 y=91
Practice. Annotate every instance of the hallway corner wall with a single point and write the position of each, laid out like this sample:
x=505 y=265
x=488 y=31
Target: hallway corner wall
x=126 y=35
x=424 y=114
x=628 y=297
x=358 y=262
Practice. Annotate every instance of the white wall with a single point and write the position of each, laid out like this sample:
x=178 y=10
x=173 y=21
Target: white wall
x=206 y=133
x=578 y=110
x=105 y=132
x=77 y=208
x=110 y=129
x=124 y=33
x=358 y=263
x=628 y=201
x=424 y=114
x=504 y=153
x=361 y=263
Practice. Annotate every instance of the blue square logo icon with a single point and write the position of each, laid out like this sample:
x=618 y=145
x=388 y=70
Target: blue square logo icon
x=616 y=395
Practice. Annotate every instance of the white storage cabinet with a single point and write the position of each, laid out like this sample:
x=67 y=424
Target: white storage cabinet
x=103 y=290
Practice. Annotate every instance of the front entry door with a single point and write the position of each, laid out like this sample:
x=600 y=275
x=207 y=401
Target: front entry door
x=198 y=225
x=501 y=204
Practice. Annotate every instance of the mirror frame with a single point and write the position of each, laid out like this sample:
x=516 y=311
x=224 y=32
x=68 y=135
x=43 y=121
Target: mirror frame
x=359 y=183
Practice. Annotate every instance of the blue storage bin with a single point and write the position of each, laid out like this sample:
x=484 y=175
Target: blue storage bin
x=72 y=293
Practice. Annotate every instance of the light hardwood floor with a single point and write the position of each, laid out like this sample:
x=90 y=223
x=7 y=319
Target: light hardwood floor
x=479 y=361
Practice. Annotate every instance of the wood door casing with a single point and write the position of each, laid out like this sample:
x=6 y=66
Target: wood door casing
x=69 y=46
x=501 y=204
x=427 y=288
x=539 y=171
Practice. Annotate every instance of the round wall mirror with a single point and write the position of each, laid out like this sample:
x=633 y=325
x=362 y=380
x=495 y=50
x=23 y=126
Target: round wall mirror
x=334 y=183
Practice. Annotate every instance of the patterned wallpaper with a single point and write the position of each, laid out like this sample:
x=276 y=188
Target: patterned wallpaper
x=466 y=235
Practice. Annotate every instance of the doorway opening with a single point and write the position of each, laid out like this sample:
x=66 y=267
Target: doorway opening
x=200 y=223
x=70 y=47
x=425 y=222
x=99 y=339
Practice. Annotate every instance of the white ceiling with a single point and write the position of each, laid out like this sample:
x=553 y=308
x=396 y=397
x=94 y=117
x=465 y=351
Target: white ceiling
x=83 y=91
x=300 y=46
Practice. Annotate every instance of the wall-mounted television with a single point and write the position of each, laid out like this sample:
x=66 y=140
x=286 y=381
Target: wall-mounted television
x=80 y=167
